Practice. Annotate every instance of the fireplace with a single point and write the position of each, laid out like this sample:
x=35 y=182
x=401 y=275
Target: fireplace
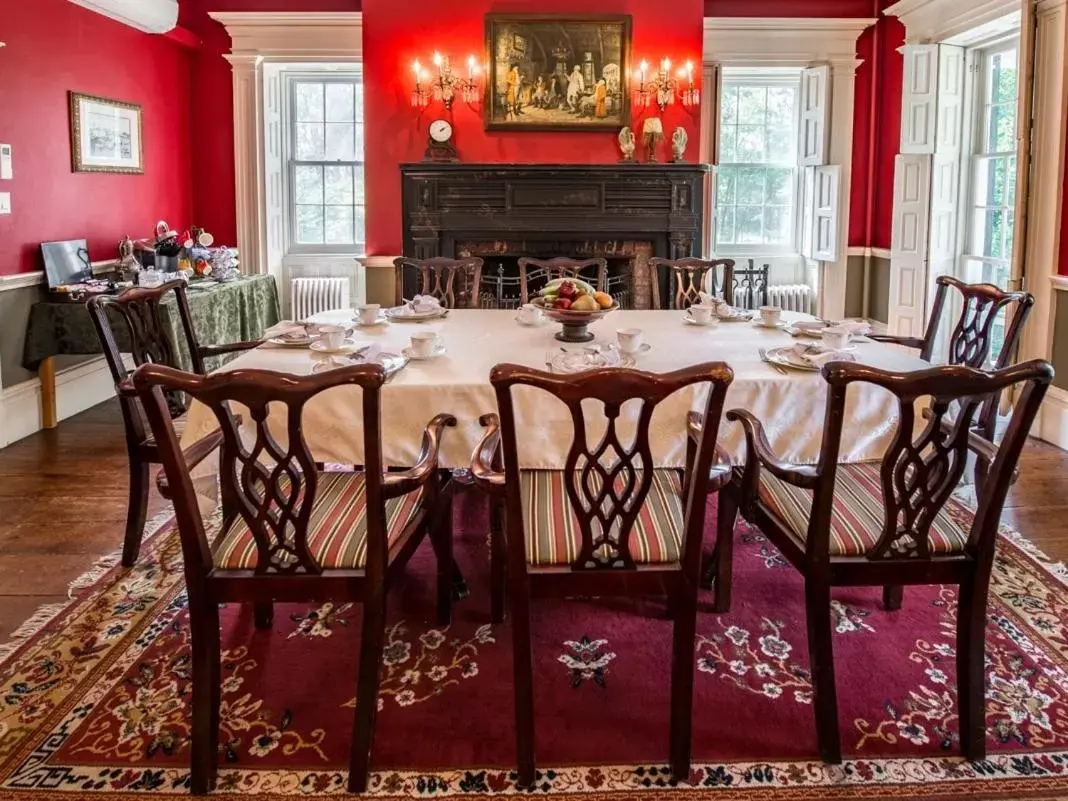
x=625 y=214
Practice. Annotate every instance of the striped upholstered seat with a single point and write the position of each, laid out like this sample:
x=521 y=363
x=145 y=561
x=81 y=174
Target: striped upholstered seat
x=337 y=531
x=552 y=530
x=858 y=512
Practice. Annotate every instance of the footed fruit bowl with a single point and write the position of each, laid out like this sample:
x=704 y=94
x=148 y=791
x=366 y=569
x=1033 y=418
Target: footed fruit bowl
x=573 y=322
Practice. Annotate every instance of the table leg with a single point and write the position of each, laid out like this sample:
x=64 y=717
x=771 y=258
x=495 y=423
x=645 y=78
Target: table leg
x=47 y=374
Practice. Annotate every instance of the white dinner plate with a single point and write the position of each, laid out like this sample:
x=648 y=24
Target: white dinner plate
x=403 y=313
x=787 y=357
x=711 y=322
x=289 y=342
x=735 y=316
x=321 y=347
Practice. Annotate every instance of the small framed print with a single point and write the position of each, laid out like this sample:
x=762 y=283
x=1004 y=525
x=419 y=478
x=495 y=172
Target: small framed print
x=105 y=135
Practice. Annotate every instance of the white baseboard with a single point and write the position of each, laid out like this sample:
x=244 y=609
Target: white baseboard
x=77 y=388
x=1052 y=423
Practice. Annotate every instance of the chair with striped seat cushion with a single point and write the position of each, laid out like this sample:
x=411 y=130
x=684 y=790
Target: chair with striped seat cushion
x=337 y=531
x=858 y=512
x=611 y=523
x=552 y=528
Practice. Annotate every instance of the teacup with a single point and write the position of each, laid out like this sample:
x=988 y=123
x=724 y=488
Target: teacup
x=529 y=314
x=630 y=339
x=834 y=338
x=332 y=336
x=426 y=344
x=367 y=314
x=702 y=314
x=770 y=315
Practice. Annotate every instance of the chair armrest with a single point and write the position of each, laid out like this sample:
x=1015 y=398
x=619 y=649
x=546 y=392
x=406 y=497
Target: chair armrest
x=486 y=457
x=891 y=339
x=760 y=454
x=396 y=484
x=977 y=444
x=722 y=469
x=194 y=455
x=235 y=347
x=125 y=389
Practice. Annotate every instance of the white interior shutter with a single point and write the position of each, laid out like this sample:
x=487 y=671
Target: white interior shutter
x=710 y=223
x=808 y=211
x=826 y=191
x=813 y=140
x=919 y=99
x=946 y=201
x=909 y=240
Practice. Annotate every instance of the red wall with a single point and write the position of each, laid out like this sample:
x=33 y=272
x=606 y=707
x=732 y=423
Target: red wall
x=54 y=46
x=396 y=134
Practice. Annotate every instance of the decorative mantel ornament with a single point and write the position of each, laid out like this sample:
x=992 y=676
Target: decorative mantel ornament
x=678 y=144
x=627 y=144
x=652 y=133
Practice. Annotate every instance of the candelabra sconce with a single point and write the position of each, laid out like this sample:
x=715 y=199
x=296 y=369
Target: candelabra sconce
x=446 y=86
x=663 y=86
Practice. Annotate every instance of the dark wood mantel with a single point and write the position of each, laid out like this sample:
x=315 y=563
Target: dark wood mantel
x=444 y=203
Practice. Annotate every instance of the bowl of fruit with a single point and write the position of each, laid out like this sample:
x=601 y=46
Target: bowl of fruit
x=575 y=304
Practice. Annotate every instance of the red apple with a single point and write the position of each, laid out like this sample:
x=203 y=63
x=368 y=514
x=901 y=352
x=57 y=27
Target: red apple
x=562 y=303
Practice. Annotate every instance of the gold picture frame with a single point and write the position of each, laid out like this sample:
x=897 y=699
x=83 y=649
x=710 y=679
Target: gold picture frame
x=105 y=135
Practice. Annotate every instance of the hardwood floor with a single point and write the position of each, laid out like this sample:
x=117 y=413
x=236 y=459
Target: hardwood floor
x=63 y=505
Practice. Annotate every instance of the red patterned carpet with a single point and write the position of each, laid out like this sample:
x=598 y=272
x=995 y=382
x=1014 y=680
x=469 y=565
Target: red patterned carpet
x=97 y=701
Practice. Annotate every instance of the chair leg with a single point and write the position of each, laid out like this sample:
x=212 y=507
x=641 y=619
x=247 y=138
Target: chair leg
x=893 y=595
x=136 y=511
x=204 y=625
x=821 y=658
x=374 y=635
x=441 y=539
x=682 y=667
x=263 y=614
x=971 y=676
x=723 y=556
x=522 y=665
x=498 y=561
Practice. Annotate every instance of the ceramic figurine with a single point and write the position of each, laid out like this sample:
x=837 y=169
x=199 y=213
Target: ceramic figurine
x=627 y=144
x=652 y=133
x=678 y=143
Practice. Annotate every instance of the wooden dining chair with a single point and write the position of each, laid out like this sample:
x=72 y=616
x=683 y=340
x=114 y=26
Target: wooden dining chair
x=133 y=322
x=536 y=273
x=888 y=523
x=689 y=277
x=456 y=283
x=291 y=532
x=610 y=523
x=972 y=337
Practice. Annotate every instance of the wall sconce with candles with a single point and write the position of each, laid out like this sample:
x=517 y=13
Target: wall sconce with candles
x=447 y=86
x=663 y=87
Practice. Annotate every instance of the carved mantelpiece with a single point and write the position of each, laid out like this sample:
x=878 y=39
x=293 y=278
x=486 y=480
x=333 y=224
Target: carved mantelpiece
x=444 y=204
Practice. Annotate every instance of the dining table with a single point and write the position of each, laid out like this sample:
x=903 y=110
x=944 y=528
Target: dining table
x=791 y=403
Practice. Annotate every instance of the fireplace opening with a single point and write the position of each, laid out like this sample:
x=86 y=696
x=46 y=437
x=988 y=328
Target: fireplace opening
x=627 y=275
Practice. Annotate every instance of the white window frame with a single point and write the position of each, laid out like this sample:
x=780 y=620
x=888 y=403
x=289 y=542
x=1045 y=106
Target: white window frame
x=977 y=56
x=769 y=77
x=325 y=75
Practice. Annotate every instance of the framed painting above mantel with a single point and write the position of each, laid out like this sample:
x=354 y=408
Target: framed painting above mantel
x=555 y=72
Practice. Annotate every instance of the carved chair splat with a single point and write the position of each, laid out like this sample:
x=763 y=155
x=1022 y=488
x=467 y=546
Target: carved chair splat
x=895 y=529
x=688 y=277
x=138 y=315
x=629 y=541
x=279 y=539
x=456 y=283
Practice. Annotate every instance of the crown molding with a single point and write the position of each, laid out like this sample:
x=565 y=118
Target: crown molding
x=293 y=36
x=932 y=21
x=782 y=41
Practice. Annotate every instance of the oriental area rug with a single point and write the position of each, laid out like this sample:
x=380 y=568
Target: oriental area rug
x=94 y=697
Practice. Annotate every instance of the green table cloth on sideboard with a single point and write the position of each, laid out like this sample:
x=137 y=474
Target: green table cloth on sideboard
x=232 y=312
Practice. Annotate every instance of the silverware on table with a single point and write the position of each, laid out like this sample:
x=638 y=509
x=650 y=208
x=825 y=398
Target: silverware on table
x=764 y=358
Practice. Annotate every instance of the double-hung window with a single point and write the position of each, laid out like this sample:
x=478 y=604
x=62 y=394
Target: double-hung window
x=757 y=176
x=325 y=162
x=988 y=246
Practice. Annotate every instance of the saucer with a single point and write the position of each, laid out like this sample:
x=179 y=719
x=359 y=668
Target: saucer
x=762 y=324
x=408 y=353
x=537 y=324
x=288 y=342
x=711 y=322
x=382 y=320
x=321 y=347
x=645 y=348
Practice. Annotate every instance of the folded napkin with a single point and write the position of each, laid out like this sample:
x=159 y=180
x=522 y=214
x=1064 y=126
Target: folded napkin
x=818 y=356
x=707 y=300
x=287 y=329
x=421 y=304
x=855 y=327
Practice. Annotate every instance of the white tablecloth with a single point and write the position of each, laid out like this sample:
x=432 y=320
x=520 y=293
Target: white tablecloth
x=791 y=406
